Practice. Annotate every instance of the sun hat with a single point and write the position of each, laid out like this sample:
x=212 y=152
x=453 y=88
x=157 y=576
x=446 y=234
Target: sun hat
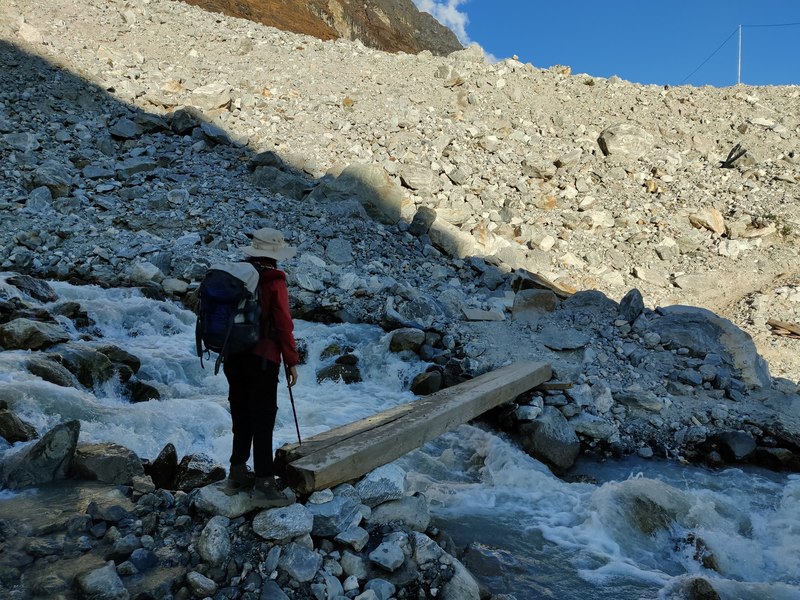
x=269 y=243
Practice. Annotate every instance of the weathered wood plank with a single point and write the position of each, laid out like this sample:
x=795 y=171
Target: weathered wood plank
x=352 y=450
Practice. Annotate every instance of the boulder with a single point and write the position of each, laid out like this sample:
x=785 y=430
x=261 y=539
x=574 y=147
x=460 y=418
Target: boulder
x=51 y=371
x=383 y=484
x=13 y=429
x=214 y=544
x=197 y=470
x=101 y=584
x=550 y=438
x=45 y=461
x=426 y=383
x=422 y=221
x=625 y=140
x=300 y=563
x=406 y=338
x=107 y=462
x=380 y=196
x=88 y=365
x=280 y=182
x=530 y=304
x=735 y=446
x=126 y=363
x=702 y=332
x=336 y=372
x=26 y=334
x=462 y=585
x=412 y=511
x=631 y=305
x=35 y=288
x=213 y=500
x=283 y=523
x=164 y=468
x=335 y=516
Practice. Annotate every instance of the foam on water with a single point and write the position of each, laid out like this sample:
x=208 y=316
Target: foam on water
x=651 y=526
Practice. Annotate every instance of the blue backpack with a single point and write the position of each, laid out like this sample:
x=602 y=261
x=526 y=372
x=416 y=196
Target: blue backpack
x=229 y=314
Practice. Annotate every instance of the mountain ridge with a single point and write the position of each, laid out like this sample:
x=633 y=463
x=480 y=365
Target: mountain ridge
x=388 y=25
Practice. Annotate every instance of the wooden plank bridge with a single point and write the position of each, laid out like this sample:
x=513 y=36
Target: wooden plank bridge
x=348 y=452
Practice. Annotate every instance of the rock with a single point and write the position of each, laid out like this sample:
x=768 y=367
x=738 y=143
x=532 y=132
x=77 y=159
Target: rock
x=529 y=305
x=411 y=511
x=45 y=461
x=126 y=363
x=214 y=544
x=200 y=585
x=35 y=288
x=353 y=565
x=125 y=129
x=89 y=366
x=139 y=391
x=406 y=339
x=107 y=462
x=380 y=196
x=703 y=333
x=331 y=518
x=284 y=523
x=13 y=429
x=625 y=140
x=451 y=239
x=384 y=590
x=51 y=371
x=336 y=372
x=426 y=383
x=185 y=119
x=339 y=251
x=300 y=563
x=165 y=467
x=101 y=584
x=197 y=470
x=25 y=334
x=213 y=500
x=211 y=96
x=735 y=446
x=355 y=537
x=388 y=555
x=55 y=177
x=462 y=586
x=594 y=427
x=708 y=218
x=551 y=438
x=383 y=484
x=272 y=591
x=422 y=221
x=631 y=305
x=280 y=182
x=557 y=338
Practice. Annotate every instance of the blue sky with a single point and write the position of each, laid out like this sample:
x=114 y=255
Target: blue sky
x=646 y=41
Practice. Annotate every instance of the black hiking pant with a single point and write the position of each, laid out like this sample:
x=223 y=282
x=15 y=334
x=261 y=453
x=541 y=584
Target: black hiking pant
x=253 y=397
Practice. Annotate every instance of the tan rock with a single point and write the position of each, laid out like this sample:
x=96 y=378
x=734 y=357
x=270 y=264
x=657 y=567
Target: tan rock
x=708 y=218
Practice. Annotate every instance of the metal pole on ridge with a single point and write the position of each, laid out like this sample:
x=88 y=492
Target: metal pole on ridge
x=291 y=400
x=739 y=67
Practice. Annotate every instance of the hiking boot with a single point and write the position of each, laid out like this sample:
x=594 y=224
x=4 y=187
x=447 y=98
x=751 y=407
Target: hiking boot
x=266 y=489
x=239 y=480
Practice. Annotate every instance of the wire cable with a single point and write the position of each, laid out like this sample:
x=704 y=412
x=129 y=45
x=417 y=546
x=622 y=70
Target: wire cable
x=710 y=56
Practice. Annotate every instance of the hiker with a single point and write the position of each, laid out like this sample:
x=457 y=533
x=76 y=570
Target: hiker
x=253 y=374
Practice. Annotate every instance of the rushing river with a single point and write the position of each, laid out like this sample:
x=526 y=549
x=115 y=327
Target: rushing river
x=539 y=536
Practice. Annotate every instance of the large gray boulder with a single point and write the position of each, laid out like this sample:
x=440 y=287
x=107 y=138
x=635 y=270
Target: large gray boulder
x=551 y=438
x=51 y=371
x=101 y=584
x=213 y=500
x=45 y=461
x=702 y=332
x=87 y=364
x=214 y=544
x=411 y=511
x=283 y=523
x=197 y=470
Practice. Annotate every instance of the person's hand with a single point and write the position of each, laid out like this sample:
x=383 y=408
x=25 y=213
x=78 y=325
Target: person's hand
x=291 y=376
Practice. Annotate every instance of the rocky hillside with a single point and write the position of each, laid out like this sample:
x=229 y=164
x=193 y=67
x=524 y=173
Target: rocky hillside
x=389 y=25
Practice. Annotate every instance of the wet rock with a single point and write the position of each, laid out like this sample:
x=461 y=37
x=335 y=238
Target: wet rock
x=51 y=371
x=426 y=383
x=197 y=470
x=25 y=334
x=107 y=462
x=35 y=288
x=139 y=391
x=336 y=372
x=164 y=468
x=411 y=511
x=462 y=586
x=406 y=339
x=13 y=429
x=551 y=438
x=126 y=363
x=46 y=460
x=735 y=445
x=88 y=365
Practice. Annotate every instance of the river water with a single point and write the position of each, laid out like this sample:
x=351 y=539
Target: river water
x=597 y=535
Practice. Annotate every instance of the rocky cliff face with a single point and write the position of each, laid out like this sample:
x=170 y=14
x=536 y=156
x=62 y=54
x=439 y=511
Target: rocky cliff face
x=390 y=25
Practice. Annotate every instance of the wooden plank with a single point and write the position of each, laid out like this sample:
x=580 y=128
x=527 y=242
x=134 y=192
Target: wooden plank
x=350 y=451
x=784 y=328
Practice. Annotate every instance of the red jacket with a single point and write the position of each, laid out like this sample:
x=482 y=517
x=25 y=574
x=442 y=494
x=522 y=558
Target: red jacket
x=274 y=299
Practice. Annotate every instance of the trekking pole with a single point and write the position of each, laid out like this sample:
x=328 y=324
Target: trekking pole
x=291 y=399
